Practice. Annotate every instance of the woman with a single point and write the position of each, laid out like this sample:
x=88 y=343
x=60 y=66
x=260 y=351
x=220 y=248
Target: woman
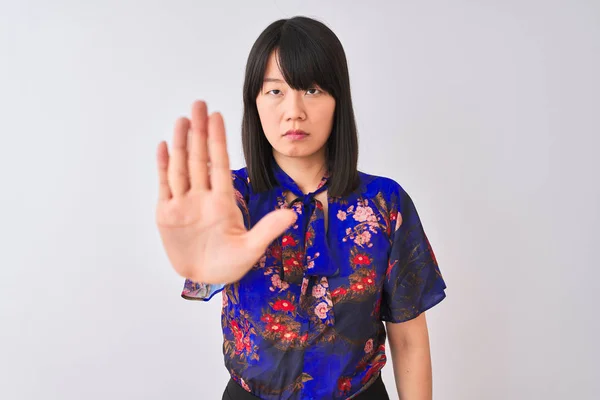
x=311 y=255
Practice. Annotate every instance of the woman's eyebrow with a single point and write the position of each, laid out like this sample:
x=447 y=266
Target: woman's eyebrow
x=272 y=80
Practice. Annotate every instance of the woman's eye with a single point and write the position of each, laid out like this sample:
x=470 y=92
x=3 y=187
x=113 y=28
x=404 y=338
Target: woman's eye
x=272 y=91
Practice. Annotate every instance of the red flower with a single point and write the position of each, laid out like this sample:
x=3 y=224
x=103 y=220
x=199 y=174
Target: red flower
x=304 y=338
x=289 y=336
x=284 y=305
x=358 y=287
x=344 y=385
x=267 y=318
x=235 y=328
x=239 y=345
x=293 y=262
x=308 y=236
x=372 y=274
x=368 y=281
x=339 y=292
x=276 y=328
x=288 y=240
x=361 y=259
x=276 y=252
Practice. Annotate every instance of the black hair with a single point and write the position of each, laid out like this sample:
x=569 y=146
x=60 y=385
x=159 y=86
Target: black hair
x=308 y=52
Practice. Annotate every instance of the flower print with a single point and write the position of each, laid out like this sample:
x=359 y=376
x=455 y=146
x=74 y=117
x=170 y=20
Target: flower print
x=324 y=282
x=276 y=327
x=358 y=287
x=321 y=310
x=289 y=336
x=339 y=292
x=318 y=291
x=304 y=338
x=261 y=262
x=225 y=299
x=288 y=240
x=341 y=215
x=267 y=318
x=344 y=385
x=362 y=238
x=369 y=346
x=368 y=281
x=309 y=236
x=372 y=274
x=276 y=251
x=293 y=262
x=304 y=285
x=284 y=305
x=361 y=259
x=278 y=283
x=362 y=214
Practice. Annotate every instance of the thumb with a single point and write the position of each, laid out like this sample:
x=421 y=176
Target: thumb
x=269 y=227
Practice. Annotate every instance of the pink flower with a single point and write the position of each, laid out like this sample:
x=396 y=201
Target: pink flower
x=363 y=238
x=278 y=283
x=318 y=291
x=321 y=310
x=341 y=215
x=276 y=280
x=362 y=213
x=369 y=346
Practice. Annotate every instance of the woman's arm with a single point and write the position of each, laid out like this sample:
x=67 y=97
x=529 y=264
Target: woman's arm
x=409 y=347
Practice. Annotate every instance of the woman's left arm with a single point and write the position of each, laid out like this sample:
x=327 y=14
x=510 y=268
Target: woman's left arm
x=411 y=358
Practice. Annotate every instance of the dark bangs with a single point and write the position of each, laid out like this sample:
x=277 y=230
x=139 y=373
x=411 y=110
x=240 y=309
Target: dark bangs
x=308 y=53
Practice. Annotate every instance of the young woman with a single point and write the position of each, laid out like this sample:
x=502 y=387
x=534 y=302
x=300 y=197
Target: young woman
x=311 y=255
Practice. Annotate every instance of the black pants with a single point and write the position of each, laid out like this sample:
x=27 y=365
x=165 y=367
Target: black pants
x=376 y=391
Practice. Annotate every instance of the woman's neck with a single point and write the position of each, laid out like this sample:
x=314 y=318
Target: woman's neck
x=307 y=172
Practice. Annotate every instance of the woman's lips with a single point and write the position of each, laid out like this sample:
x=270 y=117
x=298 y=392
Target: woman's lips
x=296 y=134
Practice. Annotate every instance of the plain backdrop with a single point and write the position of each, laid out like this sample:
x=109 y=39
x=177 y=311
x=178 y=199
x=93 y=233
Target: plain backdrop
x=486 y=112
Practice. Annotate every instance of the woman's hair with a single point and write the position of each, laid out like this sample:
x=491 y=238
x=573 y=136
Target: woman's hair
x=308 y=52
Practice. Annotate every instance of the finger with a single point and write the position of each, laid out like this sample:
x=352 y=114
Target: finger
x=162 y=161
x=178 y=171
x=269 y=227
x=198 y=148
x=220 y=174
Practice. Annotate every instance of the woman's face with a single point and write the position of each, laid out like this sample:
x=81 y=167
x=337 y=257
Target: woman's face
x=282 y=109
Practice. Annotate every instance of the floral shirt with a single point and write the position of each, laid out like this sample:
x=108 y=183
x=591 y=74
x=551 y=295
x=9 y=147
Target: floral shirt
x=306 y=322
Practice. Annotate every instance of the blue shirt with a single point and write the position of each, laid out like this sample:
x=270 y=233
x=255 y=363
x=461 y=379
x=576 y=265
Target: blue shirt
x=306 y=322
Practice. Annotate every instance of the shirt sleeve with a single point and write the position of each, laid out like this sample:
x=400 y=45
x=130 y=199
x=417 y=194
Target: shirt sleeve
x=413 y=281
x=204 y=291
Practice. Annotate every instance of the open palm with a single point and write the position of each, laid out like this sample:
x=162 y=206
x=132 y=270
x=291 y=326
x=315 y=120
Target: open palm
x=200 y=224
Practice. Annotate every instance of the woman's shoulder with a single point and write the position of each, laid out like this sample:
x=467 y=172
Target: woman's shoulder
x=380 y=185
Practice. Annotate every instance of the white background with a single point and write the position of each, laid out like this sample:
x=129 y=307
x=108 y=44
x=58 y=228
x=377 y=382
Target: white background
x=486 y=112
